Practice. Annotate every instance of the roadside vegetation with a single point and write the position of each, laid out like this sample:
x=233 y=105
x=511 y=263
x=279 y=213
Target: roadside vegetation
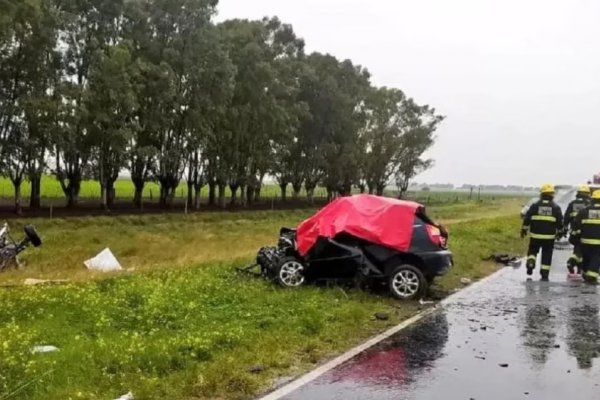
x=183 y=324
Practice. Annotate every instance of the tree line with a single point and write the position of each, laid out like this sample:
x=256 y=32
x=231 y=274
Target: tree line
x=92 y=88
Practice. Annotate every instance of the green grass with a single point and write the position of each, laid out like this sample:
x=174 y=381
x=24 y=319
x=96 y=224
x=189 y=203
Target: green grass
x=124 y=189
x=184 y=325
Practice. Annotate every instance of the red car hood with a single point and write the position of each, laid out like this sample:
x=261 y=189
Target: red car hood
x=380 y=220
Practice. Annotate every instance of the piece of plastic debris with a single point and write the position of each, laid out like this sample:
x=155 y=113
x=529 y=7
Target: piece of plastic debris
x=105 y=261
x=465 y=281
x=256 y=369
x=424 y=302
x=35 y=282
x=382 y=316
x=44 y=349
x=128 y=396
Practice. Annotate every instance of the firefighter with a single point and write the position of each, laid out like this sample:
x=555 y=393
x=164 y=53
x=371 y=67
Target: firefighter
x=544 y=223
x=587 y=229
x=581 y=201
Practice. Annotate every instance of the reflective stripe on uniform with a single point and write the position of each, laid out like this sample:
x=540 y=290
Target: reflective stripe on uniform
x=591 y=222
x=545 y=267
x=547 y=218
x=595 y=242
x=543 y=237
x=532 y=257
x=592 y=274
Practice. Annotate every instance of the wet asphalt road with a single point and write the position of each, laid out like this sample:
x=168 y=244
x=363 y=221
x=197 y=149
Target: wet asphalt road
x=506 y=339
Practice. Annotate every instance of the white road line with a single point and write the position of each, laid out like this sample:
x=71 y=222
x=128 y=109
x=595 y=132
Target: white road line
x=314 y=374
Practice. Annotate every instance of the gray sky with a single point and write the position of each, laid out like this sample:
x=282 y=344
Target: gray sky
x=519 y=80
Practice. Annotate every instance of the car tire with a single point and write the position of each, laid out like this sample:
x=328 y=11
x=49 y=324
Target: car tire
x=289 y=272
x=407 y=282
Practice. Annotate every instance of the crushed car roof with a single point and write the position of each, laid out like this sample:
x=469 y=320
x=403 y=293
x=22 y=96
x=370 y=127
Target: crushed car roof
x=380 y=220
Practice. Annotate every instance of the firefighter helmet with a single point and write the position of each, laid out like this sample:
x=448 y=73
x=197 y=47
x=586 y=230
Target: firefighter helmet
x=584 y=189
x=547 y=189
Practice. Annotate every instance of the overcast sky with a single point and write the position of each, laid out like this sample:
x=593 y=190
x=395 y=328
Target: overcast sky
x=519 y=80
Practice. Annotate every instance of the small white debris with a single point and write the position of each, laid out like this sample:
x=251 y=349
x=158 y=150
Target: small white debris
x=465 y=281
x=105 y=262
x=424 y=302
x=44 y=349
x=36 y=282
x=128 y=396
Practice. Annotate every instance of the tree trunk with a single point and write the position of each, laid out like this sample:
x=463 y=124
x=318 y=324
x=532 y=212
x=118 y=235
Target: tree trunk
x=139 y=192
x=103 y=203
x=257 y=193
x=283 y=186
x=310 y=192
x=250 y=192
x=380 y=189
x=222 y=187
x=197 y=196
x=18 y=206
x=35 y=198
x=164 y=194
x=190 y=195
x=329 y=194
x=310 y=195
x=212 y=186
x=297 y=189
x=234 y=188
x=110 y=195
x=243 y=197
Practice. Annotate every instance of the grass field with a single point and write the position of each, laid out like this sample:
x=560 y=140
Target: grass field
x=124 y=190
x=183 y=325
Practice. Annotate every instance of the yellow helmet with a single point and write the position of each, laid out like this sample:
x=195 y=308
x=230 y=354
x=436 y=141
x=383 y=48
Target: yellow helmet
x=584 y=189
x=547 y=188
x=596 y=194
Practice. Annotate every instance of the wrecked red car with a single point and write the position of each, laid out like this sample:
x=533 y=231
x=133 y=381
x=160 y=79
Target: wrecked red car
x=363 y=238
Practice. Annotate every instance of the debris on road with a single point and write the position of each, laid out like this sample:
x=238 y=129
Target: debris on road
x=466 y=281
x=503 y=365
x=105 y=261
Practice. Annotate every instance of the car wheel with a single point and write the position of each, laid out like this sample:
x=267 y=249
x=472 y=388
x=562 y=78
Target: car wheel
x=290 y=272
x=407 y=282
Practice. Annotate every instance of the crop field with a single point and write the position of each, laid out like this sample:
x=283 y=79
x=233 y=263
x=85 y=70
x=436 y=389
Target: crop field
x=124 y=190
x=179 y=323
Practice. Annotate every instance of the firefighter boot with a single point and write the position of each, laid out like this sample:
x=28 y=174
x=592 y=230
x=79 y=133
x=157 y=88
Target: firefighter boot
x=571 y=263
x=530 y=266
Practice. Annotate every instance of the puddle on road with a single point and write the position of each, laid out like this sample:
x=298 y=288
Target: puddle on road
x=509 y=339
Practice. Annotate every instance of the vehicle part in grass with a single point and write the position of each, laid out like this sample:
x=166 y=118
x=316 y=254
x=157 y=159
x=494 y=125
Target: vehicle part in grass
x=407 y=282
x=10 y=248
x=105 y=261
x=504 y=259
